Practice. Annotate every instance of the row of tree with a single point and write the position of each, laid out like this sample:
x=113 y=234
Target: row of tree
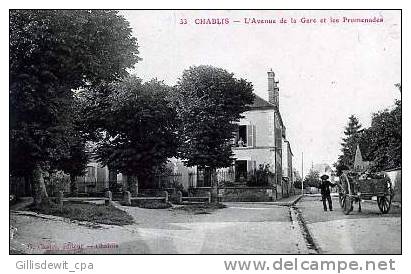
x=71 y=93
x=380 y=143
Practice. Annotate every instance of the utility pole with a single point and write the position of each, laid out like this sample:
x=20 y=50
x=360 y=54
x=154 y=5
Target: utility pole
x=302 y=173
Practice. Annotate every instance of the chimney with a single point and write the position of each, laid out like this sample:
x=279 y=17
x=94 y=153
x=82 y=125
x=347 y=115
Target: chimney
x=273 y=90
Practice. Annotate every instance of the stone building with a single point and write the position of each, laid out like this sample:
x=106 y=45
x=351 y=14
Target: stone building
x=260 y=140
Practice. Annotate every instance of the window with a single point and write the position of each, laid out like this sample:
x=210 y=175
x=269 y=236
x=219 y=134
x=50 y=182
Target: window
x=242 y=136
x=245 y=136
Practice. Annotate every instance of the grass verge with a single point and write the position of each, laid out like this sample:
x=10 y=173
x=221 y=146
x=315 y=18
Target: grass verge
x=200 y=208
x=94 y=213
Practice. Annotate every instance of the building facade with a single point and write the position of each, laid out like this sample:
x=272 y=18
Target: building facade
x=258 y=143
x=288 y=174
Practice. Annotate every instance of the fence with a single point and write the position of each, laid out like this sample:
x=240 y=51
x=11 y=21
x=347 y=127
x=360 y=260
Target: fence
x=168 y=180
x=229 y=178
x=90 y=185
x=54 y=183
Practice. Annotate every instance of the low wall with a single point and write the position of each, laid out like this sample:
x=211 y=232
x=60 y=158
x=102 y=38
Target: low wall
x=248 y=194
x=199 y=191
x=396 y=180
x=153 y=192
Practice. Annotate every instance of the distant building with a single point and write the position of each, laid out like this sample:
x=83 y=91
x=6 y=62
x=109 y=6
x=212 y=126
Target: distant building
x=359 y=163
x=288 y=174
x=325 y=169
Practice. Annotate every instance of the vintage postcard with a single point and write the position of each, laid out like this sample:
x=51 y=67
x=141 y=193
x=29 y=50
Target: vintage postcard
x=205 y=132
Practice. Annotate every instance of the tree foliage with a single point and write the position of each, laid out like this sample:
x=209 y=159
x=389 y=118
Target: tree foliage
x=381 y=143
x=76 y=156
x=52 y=53
x=312 y=179
x=353 y=135
x=209 y=102
x=297 y=184
x=384 y=138
x=138 y=125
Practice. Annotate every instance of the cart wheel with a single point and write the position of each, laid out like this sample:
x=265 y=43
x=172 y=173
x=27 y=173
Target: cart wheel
x=384 y=202
x=346 y=201
x=347 y=204
x=341 y=199
x=342 y=190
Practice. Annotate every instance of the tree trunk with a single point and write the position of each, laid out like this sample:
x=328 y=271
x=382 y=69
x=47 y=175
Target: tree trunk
x=39 y=187
x=132 y=184
x=214 y=186
x=73 y=185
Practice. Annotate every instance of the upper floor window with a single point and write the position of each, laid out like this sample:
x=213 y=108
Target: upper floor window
x=245 y=136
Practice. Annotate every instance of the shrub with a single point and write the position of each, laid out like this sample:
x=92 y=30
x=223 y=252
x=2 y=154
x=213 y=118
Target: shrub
x=261 y=176
x=150 y=204
x=82 y=211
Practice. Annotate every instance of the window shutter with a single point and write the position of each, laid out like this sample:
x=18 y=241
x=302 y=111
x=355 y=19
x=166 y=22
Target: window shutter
x=254 y=137
x=235 y=140
x=249 y=166
x=250 y=135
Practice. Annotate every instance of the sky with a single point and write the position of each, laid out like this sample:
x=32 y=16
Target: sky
x=326 y=71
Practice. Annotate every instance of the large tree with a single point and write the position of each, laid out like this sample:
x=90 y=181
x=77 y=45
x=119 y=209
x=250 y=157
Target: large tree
x=76 y=156
x=52 y=53
x=139 y=128
x=209 y=102
x=353 y=133
x=384 y=138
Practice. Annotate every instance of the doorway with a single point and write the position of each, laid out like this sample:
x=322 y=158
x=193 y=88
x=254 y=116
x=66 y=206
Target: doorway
x=241 y=170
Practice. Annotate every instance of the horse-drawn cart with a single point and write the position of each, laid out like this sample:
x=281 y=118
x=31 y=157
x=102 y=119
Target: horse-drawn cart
x=354 y=187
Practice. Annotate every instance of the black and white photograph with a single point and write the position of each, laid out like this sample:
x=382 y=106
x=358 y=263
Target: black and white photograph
x=205 y=132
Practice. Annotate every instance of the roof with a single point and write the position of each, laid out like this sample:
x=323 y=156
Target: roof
x=289 y=146
x=260 y=103
x=322 y=167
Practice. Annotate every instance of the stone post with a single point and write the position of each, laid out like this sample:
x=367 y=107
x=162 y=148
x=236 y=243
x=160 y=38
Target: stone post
x=60 y=200
x=209 y=197
x=132 y=182
x=127 y=198
x=273 y=194
x=179 y=197
x=166 y=196
x=109 y=197
x=214 y=187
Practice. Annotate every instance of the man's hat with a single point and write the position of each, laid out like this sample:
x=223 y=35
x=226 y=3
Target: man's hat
x=324 y=177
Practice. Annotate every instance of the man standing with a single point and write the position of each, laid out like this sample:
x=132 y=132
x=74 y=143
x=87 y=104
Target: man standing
x=325 y=192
